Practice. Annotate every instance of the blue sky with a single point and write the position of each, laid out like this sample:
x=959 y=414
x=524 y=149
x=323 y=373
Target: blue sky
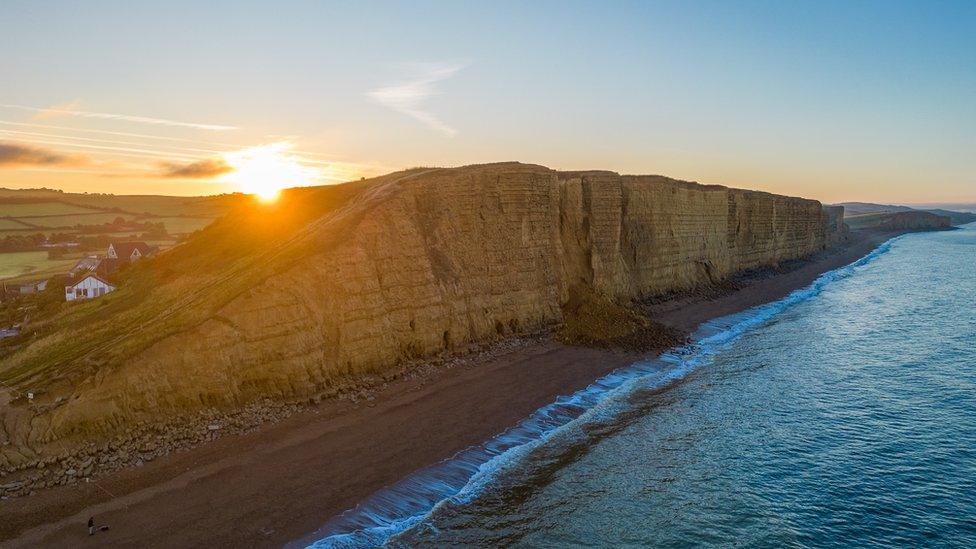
x=832 y=100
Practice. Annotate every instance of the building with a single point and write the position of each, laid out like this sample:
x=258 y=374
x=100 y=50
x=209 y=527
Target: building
x=88 y=287
x=118 y=254
x=85 y=264
x=129 y=251
x=102 y=266
x=33 y=287
x=107 y=266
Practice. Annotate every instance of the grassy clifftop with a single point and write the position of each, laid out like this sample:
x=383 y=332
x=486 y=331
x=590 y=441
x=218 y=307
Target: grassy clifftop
x=171 y=292
x=307 y=295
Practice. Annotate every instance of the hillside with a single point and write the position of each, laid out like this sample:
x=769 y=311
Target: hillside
x=907 y=220
x=31 y=219
x=956 y=218
x=860 y=208
x=307 y=295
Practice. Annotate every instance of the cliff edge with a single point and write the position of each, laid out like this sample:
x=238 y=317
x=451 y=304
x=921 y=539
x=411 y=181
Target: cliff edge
x=298 y=298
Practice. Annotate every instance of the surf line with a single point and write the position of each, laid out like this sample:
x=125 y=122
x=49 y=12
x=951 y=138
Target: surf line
x=459 y=479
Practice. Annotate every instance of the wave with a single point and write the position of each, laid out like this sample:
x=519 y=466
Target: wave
x=457 y=480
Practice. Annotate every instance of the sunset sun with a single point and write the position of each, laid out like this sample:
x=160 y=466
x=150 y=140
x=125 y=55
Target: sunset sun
x=265 y=170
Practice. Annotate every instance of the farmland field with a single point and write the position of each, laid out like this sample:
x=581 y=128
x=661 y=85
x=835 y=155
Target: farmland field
x=91 y=218
x=40 y=208
x=11 y=224
x=17 y=265
x=29 y=212
x=208 y=206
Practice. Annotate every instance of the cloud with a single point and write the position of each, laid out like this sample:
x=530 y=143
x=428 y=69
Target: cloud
x=57 y=111
x=14 y=155
x=408 y=97
x=201 y=169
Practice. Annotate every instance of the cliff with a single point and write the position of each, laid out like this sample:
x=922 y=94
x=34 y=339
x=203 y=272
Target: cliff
x=837 y=230
x=856 y=209
x=890 y=221
x=298 y=298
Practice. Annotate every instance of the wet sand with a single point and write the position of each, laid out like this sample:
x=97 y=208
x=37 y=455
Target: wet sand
x=284 y=481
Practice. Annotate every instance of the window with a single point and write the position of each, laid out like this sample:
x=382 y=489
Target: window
x=78 y=292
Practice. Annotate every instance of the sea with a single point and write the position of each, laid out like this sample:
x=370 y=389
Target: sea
x=843 y=415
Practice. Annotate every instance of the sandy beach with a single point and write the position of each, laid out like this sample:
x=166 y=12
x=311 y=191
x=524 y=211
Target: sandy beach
x=284 y=481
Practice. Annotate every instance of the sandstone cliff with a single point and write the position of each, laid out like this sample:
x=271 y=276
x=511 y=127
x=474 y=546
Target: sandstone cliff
x=892 y=221
x=405 y=266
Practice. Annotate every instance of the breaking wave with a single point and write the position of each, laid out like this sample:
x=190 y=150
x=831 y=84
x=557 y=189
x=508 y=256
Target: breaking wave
x=457 y=480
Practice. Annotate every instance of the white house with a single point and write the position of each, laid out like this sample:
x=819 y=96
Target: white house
x=88 y=287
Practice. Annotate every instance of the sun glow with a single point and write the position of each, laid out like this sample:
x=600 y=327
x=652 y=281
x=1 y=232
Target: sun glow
x=265 y=170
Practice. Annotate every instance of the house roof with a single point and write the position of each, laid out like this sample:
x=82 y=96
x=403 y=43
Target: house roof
x=124 y=249
x=90 y=275
x=107 y=265
x=89 y=263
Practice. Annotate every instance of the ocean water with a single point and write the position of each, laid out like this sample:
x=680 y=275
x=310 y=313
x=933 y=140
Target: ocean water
x=843 y=415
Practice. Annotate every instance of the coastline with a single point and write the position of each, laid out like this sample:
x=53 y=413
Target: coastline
x=281 y=482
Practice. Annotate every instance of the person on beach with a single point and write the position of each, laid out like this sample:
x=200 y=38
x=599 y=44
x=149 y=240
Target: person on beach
x=92 y=529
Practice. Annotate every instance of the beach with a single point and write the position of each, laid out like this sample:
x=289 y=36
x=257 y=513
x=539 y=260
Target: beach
x=282 y=482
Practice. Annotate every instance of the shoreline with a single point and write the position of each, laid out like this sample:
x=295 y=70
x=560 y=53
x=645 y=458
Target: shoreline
x=284 y=481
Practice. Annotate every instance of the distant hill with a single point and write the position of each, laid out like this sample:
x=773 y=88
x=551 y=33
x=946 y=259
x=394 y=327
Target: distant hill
x=908 y=220
x=957 y=218
x=858 y=208
x=852 y=209
x=969 y=207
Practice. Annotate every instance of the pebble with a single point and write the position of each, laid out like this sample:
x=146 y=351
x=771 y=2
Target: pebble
x=143 y=443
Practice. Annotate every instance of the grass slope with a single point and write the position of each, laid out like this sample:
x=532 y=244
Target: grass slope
x=182 y=287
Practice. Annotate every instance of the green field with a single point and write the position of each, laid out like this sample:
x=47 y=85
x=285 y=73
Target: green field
x=40 y=208
x=41 y=211
x=92 y=218
x=25 y=230
x=11 y=224
x=208 y=206
x=21 y=265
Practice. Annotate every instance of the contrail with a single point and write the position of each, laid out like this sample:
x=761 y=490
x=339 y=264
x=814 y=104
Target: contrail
x=114 y=150
x=165 y=151
x=106 y=141
x=164 y=138
x=124 y=117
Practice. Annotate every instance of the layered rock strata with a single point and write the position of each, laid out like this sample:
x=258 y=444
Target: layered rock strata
x=435 y=263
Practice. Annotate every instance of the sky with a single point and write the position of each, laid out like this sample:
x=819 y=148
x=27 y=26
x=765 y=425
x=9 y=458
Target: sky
x=838 y=101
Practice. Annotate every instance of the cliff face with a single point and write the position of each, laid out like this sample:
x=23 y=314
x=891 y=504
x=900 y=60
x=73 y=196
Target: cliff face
x=891 y=221
x=837 y=230
x=435 y=262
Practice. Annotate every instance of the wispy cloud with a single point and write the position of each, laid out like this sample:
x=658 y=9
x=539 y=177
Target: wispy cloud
x=57 y=111
x=15 y=155
x=409 y=97
x=202 y=169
